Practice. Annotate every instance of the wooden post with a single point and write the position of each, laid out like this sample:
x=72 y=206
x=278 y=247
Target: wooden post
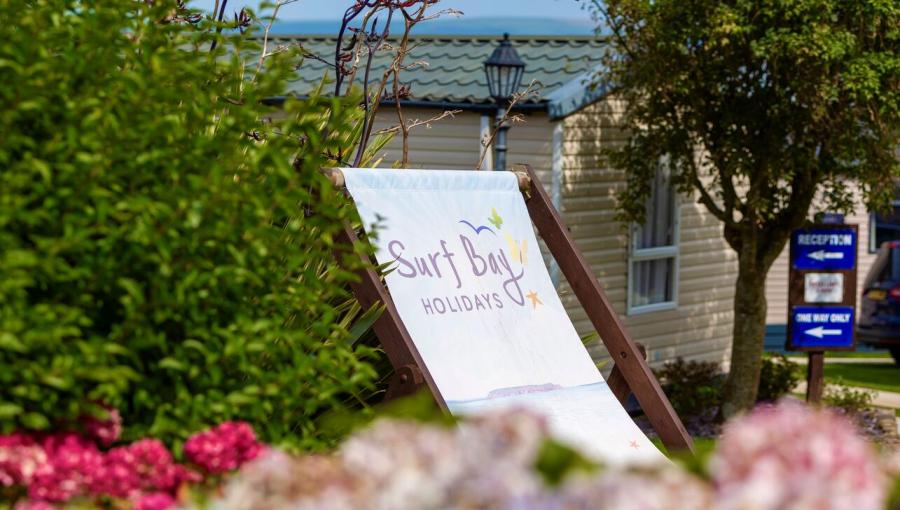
x=593 y=299
x=815 y=377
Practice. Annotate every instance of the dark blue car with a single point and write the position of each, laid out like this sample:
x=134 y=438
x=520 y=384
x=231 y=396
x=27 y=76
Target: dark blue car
x=879 y=316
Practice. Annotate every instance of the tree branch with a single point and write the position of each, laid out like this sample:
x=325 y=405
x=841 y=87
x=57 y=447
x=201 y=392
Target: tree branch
x=531 y=90
x=265 y=45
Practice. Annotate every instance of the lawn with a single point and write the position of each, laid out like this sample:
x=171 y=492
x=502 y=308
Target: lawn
x=875 y=376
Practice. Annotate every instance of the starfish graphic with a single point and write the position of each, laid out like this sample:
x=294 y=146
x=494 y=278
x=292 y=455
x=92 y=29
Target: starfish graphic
x=535 y=300
x=634 y=444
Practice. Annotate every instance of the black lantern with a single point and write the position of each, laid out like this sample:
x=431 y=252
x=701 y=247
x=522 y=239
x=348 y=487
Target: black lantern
x=504 y=71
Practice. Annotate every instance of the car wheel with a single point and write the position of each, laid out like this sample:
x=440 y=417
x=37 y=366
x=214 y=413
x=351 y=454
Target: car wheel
x=895 y=352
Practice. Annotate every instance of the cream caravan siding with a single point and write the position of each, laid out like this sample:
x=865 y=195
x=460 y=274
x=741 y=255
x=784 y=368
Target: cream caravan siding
x=777 y=280
x=454 y=143
x=700 y=326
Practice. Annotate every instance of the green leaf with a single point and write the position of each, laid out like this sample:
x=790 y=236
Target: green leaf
x=9 y=411
x=172 y=364
x=34 y=421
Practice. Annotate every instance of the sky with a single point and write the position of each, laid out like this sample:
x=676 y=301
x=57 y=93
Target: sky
x=333 y=9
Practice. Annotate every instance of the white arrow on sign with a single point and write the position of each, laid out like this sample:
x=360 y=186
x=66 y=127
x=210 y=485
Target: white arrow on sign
x=821 y=255
x=820 y=332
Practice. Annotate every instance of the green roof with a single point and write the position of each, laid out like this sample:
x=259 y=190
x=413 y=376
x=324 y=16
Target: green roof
x=454 y=72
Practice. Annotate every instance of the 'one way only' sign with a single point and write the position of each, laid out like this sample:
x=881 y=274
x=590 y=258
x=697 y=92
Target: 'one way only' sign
x=822 y=326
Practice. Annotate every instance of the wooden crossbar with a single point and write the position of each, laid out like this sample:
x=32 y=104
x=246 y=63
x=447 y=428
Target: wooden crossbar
x=631 y=369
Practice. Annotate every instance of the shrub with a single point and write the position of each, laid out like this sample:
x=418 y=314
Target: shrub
x=778 y=377
x=847 y=398
x=694 y=387
x=154 y=254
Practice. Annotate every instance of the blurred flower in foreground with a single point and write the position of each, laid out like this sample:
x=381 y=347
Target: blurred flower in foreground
x=483 y=463
x=659 y=489
x=784 y=457
x=789 y=456
x=487 y=462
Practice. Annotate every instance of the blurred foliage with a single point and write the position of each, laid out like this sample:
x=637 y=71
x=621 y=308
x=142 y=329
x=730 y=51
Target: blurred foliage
x=155 y=252
x=556 y=461
x=778 y=378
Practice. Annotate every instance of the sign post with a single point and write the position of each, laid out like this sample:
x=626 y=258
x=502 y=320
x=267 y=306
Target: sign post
x=822 y=297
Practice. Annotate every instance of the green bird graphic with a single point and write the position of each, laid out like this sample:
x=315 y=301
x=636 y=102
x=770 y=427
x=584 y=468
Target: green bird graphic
x=495 y=218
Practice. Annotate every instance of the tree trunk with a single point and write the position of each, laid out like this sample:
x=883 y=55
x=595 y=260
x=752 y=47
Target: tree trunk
x=748 y=337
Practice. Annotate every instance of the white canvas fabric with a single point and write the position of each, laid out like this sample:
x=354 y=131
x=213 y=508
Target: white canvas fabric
x=469 y=282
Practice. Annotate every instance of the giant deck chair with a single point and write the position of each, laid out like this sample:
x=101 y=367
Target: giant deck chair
x=470 y=310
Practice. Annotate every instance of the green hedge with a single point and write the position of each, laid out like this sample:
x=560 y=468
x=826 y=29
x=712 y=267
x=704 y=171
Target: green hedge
x=154 y=255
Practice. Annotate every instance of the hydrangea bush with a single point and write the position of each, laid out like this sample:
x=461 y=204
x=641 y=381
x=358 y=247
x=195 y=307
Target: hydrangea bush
x=783 y=456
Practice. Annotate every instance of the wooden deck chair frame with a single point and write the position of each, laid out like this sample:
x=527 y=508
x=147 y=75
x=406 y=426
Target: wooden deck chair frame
x=631 y=373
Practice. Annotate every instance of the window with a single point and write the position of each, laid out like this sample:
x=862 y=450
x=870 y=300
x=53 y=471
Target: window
x=884 y=227
x=653 y=253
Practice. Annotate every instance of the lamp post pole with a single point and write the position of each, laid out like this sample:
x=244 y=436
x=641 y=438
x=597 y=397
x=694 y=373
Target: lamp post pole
x=503 y=70
x=500 y=141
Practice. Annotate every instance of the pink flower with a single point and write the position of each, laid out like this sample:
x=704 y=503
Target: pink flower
x=73 y=464
x=223 y=448
x=33 y=504
x=107 y=431
x=20 y=459
x=155 y=501
x=143 y=465
x=790 y=456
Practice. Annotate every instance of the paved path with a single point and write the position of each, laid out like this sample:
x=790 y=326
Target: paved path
x=882 y=398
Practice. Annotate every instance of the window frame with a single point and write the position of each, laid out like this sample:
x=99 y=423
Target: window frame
x=873 y=228
x=672 y=251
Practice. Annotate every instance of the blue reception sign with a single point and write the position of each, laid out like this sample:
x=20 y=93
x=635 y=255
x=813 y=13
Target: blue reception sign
x=822 y=327
x=824 y=248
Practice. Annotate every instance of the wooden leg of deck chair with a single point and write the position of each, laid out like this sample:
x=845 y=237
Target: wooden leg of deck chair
x=616 y=381
x=625 y=353
x=410 y=370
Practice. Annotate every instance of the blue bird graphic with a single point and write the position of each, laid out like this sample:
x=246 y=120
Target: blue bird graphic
x=479 y=228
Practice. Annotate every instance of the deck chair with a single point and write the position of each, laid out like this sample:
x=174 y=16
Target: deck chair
x=471 y=313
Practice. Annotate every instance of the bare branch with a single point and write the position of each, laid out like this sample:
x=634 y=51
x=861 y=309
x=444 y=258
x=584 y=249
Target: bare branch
x=373 y=42
x=219 y=19
x=530 y=91
x=265 y=44
x=408 y=23
x=446 y=114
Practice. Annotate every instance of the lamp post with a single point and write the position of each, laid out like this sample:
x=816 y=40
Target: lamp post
x=504 y=71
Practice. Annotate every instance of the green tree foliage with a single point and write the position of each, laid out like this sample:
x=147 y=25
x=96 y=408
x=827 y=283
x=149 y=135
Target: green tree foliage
x=756 y=108
x=154 y=251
